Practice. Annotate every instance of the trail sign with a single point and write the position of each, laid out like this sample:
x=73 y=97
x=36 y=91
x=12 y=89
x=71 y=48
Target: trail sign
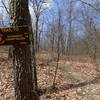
x=14 y=36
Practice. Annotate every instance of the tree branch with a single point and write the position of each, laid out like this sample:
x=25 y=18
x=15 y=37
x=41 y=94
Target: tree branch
x=90 y=5
x=5 y=7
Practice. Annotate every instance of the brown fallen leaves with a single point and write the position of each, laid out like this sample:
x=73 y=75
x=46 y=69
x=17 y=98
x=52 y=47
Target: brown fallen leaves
x=66 y=88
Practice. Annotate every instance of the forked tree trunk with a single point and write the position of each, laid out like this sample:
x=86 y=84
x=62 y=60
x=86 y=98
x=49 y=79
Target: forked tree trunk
x=22 y=54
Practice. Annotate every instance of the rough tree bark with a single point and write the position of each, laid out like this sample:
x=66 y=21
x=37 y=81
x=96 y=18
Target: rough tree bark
x=36 y=33
x=22 y=62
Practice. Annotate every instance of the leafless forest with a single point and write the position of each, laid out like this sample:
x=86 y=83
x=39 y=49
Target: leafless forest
x=62 y=61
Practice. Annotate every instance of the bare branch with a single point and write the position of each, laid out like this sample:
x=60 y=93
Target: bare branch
x=90 y=5
x=5 y=7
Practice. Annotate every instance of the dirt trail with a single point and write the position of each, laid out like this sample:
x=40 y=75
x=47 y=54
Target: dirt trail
x=89 y=86
x=85 y=81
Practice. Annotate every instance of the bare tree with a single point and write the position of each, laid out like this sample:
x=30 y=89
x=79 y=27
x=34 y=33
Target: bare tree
x=39 y=8
x=59 y=32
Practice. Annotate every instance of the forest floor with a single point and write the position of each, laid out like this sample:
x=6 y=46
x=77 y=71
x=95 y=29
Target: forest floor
x=76 y=80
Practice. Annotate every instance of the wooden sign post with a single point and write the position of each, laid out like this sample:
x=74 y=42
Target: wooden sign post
x=14 y=36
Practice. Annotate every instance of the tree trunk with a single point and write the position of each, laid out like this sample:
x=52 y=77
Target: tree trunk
x=36 y=33
x=22 y=54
